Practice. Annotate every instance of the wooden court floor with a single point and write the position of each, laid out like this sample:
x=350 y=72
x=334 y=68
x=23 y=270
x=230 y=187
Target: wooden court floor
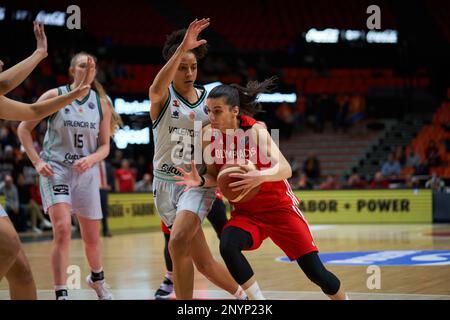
x=134 y=265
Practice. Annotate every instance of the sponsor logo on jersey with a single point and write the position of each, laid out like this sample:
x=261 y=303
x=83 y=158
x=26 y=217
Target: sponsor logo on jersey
x=91 y=105
x=232 y=154
x=385 y=258
x=61 y=189
x=66 y=110
x=176 y=103
x=70 y=158
x=183 y=131
x=170 y=169
x=192 y=116
x=80 y=124
x=175 y=114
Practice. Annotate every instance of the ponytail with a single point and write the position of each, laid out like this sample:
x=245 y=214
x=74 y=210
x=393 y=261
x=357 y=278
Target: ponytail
x=244 y=97
x=116 y=120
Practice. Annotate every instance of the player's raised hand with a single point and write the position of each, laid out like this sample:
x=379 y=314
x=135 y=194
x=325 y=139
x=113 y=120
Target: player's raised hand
x=89 y=74
x=190 y=40
x=41 y=39
x=189 y=179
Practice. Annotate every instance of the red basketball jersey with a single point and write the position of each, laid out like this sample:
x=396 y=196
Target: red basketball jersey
x=241 y=145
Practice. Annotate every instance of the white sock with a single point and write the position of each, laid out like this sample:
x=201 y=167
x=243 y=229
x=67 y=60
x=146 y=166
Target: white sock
x=240 y=294
x=254 y=293
x=97 y=271
x=60 y=287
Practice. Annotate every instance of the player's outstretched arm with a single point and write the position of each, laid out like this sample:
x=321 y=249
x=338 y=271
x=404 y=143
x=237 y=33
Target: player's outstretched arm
x=158 y=90
x=48 y=104
x=15 y=75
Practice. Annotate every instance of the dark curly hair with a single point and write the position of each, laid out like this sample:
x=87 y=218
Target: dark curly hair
x=174 y=40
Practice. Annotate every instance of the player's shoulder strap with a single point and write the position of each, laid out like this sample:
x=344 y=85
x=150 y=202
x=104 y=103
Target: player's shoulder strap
x=61 y=90
x=99 y=104
x=163 y=110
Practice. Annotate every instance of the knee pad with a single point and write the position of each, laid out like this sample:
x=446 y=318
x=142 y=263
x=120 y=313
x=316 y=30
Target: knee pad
x=316 y=272
x=232 y=242
x=229 y=244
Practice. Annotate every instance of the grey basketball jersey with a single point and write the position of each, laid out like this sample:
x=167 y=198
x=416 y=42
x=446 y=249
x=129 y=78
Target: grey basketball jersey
x=174 y=133
x=72 y=132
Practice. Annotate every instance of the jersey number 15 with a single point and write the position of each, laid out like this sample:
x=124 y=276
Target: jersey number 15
x=78 y=140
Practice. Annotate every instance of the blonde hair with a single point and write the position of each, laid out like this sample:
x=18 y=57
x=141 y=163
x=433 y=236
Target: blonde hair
x=116 y=120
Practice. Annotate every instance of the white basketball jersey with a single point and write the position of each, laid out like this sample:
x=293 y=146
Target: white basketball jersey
x=174 y=134
x=72 y=132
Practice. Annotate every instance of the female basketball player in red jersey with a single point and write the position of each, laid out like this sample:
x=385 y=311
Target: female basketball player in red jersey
x=273 y=212
x=13 y=262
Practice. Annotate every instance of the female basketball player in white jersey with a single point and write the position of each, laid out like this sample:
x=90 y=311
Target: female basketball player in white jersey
x=77 y=138
x=13 y=262
x=175 y=104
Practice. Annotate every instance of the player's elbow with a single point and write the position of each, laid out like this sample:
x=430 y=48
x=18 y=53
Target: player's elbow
x=153 y=93
x=288 y=172
x=285 y=169
x=21 y=129
x=36 y=112
x=156 y=93
x=4 y=86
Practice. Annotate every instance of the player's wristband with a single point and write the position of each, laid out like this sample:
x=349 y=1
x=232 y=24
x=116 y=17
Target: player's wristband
x=202 y=182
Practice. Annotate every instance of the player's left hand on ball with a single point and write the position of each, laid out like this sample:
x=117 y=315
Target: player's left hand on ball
x=82 y=164
x=249 y=180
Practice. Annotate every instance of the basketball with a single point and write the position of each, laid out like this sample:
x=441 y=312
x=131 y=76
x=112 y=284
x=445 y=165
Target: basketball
x=224 y=180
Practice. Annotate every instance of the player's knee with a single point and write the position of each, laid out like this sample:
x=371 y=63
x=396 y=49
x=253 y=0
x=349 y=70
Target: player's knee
x=228 y=248
x=179 y=244
x=232 y=241
x=62 y=233
x=10 y=248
